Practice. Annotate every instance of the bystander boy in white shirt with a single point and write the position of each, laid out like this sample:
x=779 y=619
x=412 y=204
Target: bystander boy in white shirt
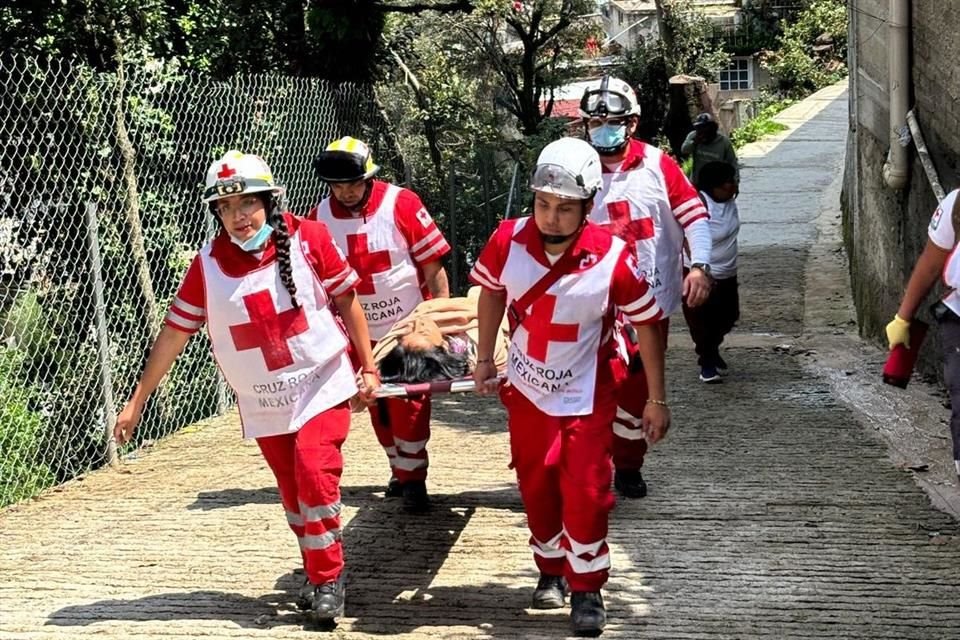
x=710 y=322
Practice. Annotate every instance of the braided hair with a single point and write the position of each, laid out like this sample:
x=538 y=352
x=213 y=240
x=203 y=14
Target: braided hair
x=281 y=239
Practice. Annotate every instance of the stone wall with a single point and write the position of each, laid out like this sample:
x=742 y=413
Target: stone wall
x=885 y=230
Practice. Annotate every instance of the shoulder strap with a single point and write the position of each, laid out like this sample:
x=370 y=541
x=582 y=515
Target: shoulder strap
x=517 y=311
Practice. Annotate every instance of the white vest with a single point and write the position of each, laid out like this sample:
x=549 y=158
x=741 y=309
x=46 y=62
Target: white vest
x=285 y=365
x=643 y=191
x=376 y=244
x=558 y=374
x=951 y=278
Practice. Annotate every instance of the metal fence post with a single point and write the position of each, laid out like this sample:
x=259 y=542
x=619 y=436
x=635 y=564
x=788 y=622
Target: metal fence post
x=513 y=182
x=487 y=210
x=455 y=264
x=103 y=341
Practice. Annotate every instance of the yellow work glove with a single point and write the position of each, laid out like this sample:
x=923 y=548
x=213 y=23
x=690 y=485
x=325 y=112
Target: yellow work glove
x=898 y=332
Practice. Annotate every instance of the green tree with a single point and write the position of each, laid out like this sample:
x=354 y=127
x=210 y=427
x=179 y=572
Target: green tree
x=526 y=50
x=686 y=45
x=811 y=53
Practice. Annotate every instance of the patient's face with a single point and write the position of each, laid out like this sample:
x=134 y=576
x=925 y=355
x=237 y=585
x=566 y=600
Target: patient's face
x=425 y=335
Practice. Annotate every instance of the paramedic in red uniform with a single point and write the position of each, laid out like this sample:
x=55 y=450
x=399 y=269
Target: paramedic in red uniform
x=395 y=247
x=263 y=286
x=647 y=202
x=562 y=280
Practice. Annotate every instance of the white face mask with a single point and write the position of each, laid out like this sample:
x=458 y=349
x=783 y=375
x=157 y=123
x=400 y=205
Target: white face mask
x=256 y=241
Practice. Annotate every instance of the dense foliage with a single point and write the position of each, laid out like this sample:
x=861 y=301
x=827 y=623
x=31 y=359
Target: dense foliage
x=811 y=52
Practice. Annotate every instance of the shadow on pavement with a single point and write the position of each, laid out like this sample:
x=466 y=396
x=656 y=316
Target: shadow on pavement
x=227 y=498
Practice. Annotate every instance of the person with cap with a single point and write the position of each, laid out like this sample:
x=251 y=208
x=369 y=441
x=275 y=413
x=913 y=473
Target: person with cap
x=706 y=144
x=263 y=286
x=648 y=202
x=396 y=248
x=562 y=281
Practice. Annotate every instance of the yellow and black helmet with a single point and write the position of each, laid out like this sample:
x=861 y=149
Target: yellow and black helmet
x=345 y=160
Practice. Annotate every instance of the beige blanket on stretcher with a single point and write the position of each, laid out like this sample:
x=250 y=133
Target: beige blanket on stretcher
x=453 y=316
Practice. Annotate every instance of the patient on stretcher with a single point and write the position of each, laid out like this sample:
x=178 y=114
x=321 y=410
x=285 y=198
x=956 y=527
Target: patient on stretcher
x=426 y=355
x=437 y=342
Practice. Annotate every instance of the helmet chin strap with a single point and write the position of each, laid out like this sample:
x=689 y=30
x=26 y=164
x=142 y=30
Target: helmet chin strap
x=611 y=151
x=555 y=239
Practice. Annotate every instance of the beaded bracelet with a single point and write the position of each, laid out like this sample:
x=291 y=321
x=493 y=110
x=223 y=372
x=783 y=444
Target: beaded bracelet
x=662 y=403
x=485 y=360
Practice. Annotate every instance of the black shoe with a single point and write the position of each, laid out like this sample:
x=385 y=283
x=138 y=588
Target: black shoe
x=415 y=498
x=587 y=613
x=630 y=483
x=394 y=488
x=549 y=592
x=328 y=600
x=305 y=596
x=721 y=366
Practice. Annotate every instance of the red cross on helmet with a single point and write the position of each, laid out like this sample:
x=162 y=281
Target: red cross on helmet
x=237 y=173
x=345 y=160
x=569 y=168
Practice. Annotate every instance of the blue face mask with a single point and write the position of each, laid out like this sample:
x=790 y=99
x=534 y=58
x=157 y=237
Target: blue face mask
x=256 y=241
x=608 y=136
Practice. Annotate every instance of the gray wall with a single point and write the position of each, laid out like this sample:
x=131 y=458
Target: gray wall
x=885 y=230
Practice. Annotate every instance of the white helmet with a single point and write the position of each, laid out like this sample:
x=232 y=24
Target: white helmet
x=237 y=173
x=569 y=168
x=609 y=98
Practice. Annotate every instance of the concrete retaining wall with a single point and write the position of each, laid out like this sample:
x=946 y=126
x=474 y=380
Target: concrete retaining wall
x=886 y=230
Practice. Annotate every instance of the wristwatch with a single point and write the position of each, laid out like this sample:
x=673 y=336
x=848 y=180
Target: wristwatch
x=703 y=266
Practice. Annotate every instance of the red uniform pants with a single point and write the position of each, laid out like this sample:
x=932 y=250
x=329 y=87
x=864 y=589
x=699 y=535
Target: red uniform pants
x=563 y=472
x=308 y=466
x=402 y=427
x=629 y=445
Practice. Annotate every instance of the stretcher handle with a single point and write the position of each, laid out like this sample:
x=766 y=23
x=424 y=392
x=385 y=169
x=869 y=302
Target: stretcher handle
x=395 y=390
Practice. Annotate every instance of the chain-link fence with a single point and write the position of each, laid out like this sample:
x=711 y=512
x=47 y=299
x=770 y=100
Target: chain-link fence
x=100 y=176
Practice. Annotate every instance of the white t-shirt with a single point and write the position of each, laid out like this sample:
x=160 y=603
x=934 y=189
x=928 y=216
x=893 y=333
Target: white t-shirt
x=941 y=233
x=724 y=227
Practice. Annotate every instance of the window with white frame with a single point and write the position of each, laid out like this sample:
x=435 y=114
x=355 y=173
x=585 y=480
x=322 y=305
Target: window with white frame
x=738 y=76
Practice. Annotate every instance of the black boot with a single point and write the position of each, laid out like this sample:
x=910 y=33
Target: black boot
x=305 y=596
x=549 y=592
x=415 y=498
x=629 y=482
x=587 y=613
x=328 y=601
x=394 y=488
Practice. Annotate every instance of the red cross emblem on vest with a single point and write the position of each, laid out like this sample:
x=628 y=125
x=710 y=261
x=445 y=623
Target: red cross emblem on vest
x=541 y=330
x=269 y=330
x=225 y=172
x=366 y=263
x=625 y=228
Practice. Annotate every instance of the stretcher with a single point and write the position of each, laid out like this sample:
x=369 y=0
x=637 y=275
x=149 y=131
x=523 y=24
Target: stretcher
x=452 y=316
x=396 y=390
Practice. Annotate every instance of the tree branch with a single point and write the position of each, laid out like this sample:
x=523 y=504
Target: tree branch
x=460 y=5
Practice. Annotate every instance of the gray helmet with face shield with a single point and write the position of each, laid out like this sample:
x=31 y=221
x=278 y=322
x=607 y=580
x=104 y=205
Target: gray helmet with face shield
x=568 y=168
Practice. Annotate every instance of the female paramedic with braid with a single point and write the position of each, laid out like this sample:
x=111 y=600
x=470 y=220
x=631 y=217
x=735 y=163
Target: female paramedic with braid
x=562 y=280
x=262 y=286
